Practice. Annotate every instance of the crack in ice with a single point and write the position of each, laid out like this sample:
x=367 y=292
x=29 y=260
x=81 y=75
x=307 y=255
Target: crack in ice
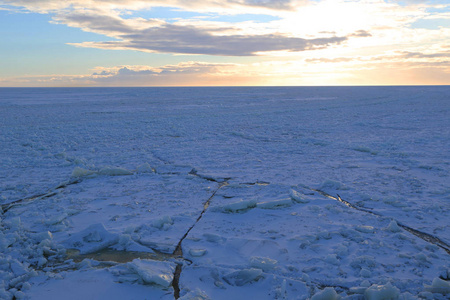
x=178 y=252
x=7 y=206
x=420 y=234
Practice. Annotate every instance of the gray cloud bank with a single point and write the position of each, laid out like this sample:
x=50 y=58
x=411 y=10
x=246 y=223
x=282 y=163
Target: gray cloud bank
x=190 y=40
x=163 y=37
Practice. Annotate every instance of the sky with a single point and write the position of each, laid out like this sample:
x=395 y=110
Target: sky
x=54 y=43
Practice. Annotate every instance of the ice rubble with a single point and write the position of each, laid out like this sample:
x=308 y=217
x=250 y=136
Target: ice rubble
x=378 y=292
x=326 y=294
x=150 y=272
x=242 y=277
x=92 y=239
x=297 y=197
x=196 y=294
x=439 y=286
x=22 y=254
x=239 y=206
x=263 y=263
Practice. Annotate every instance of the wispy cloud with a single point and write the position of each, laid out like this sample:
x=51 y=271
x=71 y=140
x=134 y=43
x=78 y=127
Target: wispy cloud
x=398 y=56
x=196 y=5
x=182 y=74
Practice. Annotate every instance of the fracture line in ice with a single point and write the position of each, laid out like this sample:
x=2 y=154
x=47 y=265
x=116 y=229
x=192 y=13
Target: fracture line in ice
x=423 y=235
x=7 y=206
x=179 y=251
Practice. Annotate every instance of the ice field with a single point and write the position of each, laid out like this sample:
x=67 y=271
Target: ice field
x=225 y=193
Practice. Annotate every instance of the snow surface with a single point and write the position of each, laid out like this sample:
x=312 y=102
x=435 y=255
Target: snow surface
x=225 y=193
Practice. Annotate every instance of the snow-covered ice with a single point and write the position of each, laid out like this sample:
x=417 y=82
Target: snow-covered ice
x=225 y=193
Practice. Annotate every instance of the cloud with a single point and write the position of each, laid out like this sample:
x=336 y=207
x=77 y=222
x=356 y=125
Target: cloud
x=410 y=59
x=330 y=60
x=182 y=74
x=163 y=37
x=229 y=6
x=407 y=54
x=93 y=22
x=411 y=1
x=385 y=72
x=179 y=40
x=272 y=4
x=361 y=33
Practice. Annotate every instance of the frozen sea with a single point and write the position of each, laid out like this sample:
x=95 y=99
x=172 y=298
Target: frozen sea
x=225 y=193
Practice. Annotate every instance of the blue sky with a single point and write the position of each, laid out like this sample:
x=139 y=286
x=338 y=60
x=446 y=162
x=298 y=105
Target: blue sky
x=245 y=42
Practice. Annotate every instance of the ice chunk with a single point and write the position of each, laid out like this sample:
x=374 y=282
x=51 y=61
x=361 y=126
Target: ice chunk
x=393 y=227
x=18 y=268
x=365 y=273
x=362 y=149
x=5 y=241
x=275 y=203
x=263 y=263
x=426 y=295
x=332 y=259
x=39 y=237
x=445 y=274
x=439 y=286
x=126 y=243
x=242 y=277
x=358 y=290
x=41 y=261
x=196 y=294
x=365 y=229
x=297 y=197
x=19 y=295
x=214 y=238
x=326 y=294
x=197 y=252
x=80 y=172
x=56 y=220
x=13 y=223
x=163 y=223
x=332 y=185
x=153 y=272
x=365 y=284
x=382 y=292
x=93 y=238
x=238 y=206
x=341 y=250
x=144 y=168
x=363 y=261
x=114 y=171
